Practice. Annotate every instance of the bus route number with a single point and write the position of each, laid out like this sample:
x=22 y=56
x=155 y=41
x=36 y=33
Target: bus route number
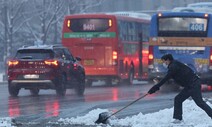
x=88 y=27
x=196 y=27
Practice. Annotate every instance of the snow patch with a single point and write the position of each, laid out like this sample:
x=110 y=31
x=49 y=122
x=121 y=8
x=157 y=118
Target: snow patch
x=88 y=119
x=6 y=122
x=193 y=116
x=1 y=77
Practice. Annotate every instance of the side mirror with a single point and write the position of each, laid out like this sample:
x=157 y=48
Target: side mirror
x=78 y=58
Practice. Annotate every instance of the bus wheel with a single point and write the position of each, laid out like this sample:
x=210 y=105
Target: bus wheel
x=80 y=86
x=61 y=86
x=130 y=78
x=34 y=91
x=89 y=83
x=108 y=82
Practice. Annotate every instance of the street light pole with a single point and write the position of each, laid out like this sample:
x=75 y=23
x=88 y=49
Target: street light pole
x=5 y=31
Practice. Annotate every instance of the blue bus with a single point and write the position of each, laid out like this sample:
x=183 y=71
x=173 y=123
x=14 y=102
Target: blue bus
x=187 y=36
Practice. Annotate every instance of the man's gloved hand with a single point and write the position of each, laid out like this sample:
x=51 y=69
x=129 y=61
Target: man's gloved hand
x=154 y=89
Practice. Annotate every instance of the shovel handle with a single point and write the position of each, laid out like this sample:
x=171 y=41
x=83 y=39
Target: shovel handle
x=128 y=105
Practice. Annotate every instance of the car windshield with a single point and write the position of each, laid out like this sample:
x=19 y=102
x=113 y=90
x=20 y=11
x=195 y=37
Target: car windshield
x=34 y=54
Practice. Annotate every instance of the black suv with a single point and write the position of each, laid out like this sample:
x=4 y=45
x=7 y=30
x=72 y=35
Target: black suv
x=45 y=67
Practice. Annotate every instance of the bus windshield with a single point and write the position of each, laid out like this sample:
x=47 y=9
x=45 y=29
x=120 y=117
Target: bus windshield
x=89 y=25
x=182 y=26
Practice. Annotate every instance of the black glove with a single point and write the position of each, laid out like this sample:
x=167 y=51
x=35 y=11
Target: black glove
x=154 y=89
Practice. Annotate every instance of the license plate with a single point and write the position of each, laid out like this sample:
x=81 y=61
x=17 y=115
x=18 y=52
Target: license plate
x=202 y=61
x=31 y=76
x=159 y=61
x=88 y=62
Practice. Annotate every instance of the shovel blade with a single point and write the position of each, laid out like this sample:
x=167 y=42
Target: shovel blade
x=103 y=118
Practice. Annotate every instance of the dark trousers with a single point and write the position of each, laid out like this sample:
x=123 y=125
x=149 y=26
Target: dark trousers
x=195 y=93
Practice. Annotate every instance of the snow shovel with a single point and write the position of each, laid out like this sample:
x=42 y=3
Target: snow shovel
x=103 y=117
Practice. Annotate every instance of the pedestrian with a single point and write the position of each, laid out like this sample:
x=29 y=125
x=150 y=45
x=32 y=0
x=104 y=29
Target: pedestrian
x=185 y=77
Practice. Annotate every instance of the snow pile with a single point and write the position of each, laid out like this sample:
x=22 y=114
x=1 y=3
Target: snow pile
x=6 y=122
x=1 y=77
x=88 y=119
x=192 y=115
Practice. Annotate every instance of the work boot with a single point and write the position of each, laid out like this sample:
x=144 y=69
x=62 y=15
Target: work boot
x=177 y=121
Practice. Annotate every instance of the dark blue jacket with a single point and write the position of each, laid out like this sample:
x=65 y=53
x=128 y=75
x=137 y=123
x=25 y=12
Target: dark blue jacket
x=181 y=73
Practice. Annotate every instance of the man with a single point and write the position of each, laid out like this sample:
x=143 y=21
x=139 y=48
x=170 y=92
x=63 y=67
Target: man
x=185 y=77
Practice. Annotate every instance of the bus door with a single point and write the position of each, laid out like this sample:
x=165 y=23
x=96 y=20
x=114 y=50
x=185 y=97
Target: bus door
x=143 y=57
x=140 y=54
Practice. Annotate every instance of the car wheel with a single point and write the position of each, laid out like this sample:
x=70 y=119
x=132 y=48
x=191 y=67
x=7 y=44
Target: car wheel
x=61 y=86
x=80 y=86
x=34 y=91
x=13 y=90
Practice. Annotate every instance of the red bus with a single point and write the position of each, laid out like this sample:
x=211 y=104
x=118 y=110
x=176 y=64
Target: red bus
x=112 y=47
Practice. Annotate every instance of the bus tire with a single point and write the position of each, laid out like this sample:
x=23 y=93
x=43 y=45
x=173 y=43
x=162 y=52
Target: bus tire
x=80 y=86
x=34 y=91
x=89 y=83
x=61 y=86
x=108 y=82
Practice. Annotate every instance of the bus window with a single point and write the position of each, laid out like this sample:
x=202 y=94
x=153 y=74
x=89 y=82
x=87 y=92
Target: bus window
x=182 y=26
x=89 y=25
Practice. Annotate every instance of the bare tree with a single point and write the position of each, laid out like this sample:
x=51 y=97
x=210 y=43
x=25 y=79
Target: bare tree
x=36 y=21
x=82 y=6
x=10 y=22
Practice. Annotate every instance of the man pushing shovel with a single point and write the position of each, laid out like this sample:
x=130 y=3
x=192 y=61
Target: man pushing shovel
x=185 y=77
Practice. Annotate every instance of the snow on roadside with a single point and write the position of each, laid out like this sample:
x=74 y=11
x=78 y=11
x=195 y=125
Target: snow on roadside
x=193 y=116
x=6 y=122
x=1 y=77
